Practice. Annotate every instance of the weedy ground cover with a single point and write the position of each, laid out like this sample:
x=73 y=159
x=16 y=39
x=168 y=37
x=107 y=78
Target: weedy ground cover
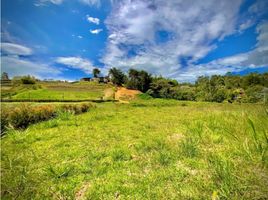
x=148 y=149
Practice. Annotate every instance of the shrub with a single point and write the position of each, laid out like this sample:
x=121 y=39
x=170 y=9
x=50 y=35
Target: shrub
x=85 y=107
x=145 y=96
x=71 y=108
x=76 y=108
x=28 y=80
x=4 y=121
x=21 y=117
x=43 y=113
x=219 y=95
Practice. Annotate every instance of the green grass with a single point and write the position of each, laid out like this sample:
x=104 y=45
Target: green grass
x=61 y=95
x=57 y=91
x=148 y=149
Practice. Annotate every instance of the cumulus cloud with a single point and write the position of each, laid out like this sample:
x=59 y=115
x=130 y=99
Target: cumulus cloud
x=77 y=63
x=96 y=3
x=15 y=49
x=95 y=31
x=93 y=20
x=44 y=2
x=236 y=63
x=191 y=27
x=16 y=66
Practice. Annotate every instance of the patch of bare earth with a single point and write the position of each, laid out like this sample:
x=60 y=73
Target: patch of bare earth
x=124 y=95
x=109 y=93
x=81 y=193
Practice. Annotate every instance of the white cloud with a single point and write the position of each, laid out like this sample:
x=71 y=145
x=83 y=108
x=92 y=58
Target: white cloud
x=15 y=49
x=44 y=2
x=93 y=20
x=16 y=66
x=236 y=63
x=96 y=31
x=191 y=27
x=248 y=23
x=96 y=3
x=80 y=37
x=77 y=63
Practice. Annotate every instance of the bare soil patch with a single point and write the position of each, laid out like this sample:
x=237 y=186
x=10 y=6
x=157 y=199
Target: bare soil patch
x=124 y=94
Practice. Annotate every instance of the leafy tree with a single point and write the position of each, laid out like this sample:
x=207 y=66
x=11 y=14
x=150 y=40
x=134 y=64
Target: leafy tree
x=96 y=72
x=183 y=93
x=251 y=79
x=219 y=95
x=139 y=80
x=117 y=76
x=4 y=76
x=28 y=80
x=160 y=87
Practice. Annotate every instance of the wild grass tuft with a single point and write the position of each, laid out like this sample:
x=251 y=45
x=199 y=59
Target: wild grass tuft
x=223 y=175
x=189 y=147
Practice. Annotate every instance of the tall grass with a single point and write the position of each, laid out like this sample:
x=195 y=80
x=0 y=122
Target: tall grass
x=223 y=176
x=260 y=142
x=23 y=115
x=161 y=150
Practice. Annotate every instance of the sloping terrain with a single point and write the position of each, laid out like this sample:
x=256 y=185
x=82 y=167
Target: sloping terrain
x=125 y=94
x=57 y=91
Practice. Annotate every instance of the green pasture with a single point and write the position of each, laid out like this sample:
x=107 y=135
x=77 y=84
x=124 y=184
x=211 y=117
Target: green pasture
x=148 y=149
x=56 y=91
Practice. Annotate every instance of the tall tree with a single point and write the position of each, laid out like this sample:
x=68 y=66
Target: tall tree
x=4 y=76
x=139 y=80
x=117 y=76
x=96 y=72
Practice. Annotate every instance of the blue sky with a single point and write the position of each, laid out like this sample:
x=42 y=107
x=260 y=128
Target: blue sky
x=66 y=39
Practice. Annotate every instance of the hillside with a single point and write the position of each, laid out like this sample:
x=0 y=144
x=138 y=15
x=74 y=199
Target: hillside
x=56 y=91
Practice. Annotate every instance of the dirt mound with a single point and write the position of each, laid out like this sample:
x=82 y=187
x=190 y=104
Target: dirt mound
x=109 y=94
x=125 y=94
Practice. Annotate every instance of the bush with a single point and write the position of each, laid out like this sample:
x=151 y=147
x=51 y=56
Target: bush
x=21 y=116
x=145 y=96
x=28 y=80
x=85 y=107
x=76 y=108
x=4 y=121
x=43 y=113
x=219 y=95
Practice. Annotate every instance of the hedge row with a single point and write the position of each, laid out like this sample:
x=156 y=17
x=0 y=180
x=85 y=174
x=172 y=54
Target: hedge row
x=58 y=100
x=23 y=115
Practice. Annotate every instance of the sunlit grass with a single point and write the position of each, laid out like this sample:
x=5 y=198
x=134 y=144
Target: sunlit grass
x=148 y=149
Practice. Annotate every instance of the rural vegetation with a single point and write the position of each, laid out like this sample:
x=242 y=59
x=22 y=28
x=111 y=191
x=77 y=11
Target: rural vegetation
x=151 y=147
x=250 y=88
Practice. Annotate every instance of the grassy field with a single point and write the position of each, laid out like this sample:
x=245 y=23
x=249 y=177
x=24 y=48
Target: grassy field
x=57 y=91
x=148 y=149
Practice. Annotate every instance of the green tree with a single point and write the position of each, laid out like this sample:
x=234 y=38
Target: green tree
x=96 y=72
x=4 y=76
x=139 y=80
x=117 y=76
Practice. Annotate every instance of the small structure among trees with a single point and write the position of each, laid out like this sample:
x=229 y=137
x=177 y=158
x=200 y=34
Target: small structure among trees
x=96 y=72
x=85 y=79
x=96 y=77
x=5 y=79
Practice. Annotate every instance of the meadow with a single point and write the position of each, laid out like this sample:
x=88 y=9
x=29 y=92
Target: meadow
x=56 y=91
x=147 y=149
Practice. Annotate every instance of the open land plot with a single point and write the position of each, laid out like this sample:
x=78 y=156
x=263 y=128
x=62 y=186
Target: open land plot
x=148 y=149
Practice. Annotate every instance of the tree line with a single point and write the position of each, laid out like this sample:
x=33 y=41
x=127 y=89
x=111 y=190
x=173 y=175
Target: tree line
x=250 y=88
